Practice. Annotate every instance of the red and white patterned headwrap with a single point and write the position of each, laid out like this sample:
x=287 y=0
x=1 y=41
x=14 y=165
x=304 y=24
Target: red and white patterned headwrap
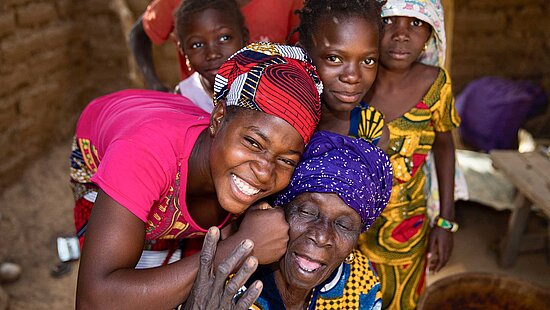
x=275 y=79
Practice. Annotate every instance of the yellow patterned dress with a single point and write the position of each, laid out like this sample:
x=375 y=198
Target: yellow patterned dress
x=397 y=242
x=366 y=122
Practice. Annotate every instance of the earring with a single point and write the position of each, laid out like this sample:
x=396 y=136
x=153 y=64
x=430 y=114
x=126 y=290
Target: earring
x=188 y=63
x=425 y=47
x=212 y=131
x=350 y=258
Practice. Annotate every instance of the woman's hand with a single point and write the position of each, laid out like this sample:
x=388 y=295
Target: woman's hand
x=441 y=246
x=210 y=290
x=266 y=226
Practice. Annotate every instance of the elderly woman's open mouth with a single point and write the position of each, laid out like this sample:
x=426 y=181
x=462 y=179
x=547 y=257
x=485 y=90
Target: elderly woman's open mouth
x=307 y=264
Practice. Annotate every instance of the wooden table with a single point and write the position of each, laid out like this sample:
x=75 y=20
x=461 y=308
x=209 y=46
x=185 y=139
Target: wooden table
x=530 y=173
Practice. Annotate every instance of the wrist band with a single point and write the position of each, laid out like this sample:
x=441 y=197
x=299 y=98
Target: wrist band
x=446 y=224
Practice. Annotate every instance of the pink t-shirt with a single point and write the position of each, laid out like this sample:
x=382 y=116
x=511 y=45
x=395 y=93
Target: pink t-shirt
x=142 y=140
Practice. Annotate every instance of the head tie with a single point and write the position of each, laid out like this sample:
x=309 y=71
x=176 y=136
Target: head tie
x=275 y=79
x=359 y=172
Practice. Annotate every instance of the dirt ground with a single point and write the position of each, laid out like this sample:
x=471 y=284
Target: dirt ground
x=33 y=213
x=38 y=209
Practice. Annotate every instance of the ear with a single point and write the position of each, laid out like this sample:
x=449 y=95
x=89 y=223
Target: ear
x=246 y=36
x=180 y=47
x=217 y=116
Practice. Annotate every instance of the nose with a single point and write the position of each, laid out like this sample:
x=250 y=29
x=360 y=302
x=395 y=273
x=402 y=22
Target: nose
x=401 y=30
x=351 y=74
x=213 y=52
x=321 y=233
x=263 y=168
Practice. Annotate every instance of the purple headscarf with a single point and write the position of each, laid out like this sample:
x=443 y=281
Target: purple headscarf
x=355 y=169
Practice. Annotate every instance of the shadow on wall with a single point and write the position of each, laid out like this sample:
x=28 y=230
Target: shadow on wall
x=55 y=57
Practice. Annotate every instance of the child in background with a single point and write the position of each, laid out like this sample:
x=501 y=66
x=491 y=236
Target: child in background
x=342 y=38
x=413 y=92
x=209 y=32
x=267 y=20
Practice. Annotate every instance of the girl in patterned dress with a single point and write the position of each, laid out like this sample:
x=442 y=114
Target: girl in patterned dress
x=342 y=38
x=413 y=92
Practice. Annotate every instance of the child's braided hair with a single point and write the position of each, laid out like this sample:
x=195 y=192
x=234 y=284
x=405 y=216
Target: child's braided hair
x=315 y=10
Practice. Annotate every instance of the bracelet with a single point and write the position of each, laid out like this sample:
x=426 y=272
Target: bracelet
x=446 y=224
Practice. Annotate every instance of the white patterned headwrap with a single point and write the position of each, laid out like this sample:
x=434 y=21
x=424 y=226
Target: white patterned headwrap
x=431 y=12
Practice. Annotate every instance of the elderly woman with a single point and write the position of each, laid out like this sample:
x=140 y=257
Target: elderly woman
x=337 y=191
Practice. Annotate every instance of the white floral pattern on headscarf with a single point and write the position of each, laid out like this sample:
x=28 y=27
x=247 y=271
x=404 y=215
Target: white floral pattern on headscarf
x=431 y=12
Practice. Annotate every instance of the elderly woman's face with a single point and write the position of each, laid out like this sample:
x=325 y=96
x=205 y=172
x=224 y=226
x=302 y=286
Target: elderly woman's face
x=323 y=231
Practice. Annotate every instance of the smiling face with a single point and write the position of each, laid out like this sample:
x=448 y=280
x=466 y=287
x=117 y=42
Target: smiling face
x=403 y=41
x=253 y=155
x=323 y=231
x=209 y=38
x=345 y=52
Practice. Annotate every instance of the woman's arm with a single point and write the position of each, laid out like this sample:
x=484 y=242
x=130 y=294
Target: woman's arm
x=441 y=241
x=112 y=247
x=114 y=243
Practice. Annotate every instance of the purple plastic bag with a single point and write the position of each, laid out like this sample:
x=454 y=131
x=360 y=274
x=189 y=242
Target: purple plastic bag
x=493 y=109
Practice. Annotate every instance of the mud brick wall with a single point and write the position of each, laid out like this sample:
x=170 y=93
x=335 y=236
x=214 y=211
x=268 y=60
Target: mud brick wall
x=508 y=38
x=55 y=56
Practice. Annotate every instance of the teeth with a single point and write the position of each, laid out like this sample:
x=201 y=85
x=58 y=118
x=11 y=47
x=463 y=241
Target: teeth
x=244 y=187
x=307 y=265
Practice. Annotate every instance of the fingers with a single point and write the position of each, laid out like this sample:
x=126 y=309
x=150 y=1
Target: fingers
x=251 y=294
x=444 y=255
x=433 y=254
x=229 y=264
x=433 y=262
x=432 y=248
x=239 y=280
x=208 y=252
x=441 y=244
x=441 y=260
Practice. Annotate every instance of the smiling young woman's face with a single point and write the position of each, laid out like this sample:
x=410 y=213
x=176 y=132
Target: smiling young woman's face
x=323 y=231
x=345 y=52
x=253 y=155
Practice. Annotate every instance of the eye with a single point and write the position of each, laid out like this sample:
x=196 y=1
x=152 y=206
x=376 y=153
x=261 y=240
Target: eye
x=344 y=224
x=288 y=162
x=333 y=58
x=417 y=23
x=197 y=45
x=251 y=142
x=387 y=21
x=307 y=212
x=224 y=38
x=369 y=61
